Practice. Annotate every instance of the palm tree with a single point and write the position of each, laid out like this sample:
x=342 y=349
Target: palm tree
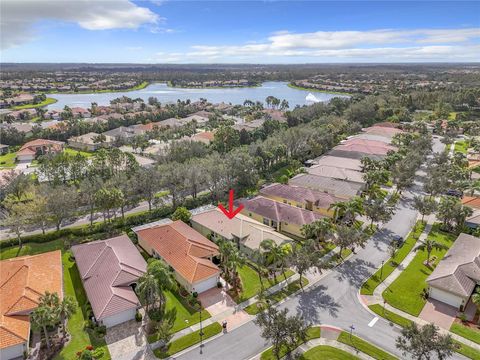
x=319 y=230
x=67 y=308
x=429 y=245
x=275 y=255
x=42 y=317
x=476 y=299
x=153 y=283
x=347 y=210
x=147 y=289
x=231 y=259
x=260 y=263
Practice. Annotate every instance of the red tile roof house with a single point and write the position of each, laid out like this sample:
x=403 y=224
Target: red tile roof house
x=301 y=197
x=280 y=216
x=359 y=148
x=33 y=148
x=108 y=269
x=22 y=281
x=187 y=251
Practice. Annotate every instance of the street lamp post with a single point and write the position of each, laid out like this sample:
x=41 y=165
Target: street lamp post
x=381 y=272
x=351 y=331
x=201 y=331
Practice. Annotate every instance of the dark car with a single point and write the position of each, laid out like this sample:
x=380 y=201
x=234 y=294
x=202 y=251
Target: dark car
x=453 y=192
x=397 y=239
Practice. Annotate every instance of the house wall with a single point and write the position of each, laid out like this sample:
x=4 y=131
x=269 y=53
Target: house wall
x=447 y=297
x=82 y=146
x=119 y=318
x=302 y=205
x=291 y=229
x=26 y=157
x=13 y=352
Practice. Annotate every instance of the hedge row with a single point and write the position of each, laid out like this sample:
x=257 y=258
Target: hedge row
x=101 y=230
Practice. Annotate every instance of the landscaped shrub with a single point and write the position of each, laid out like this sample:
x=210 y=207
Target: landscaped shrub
x=138 y=316
x=98 y=353
x=219 y=284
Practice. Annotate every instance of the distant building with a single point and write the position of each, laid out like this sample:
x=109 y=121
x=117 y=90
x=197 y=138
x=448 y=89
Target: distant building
x=34 y=148
x=88 y=142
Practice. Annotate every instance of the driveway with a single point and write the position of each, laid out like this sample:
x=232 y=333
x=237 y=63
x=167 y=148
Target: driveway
x=438 y=313
x=222 y=307
x=128 y=341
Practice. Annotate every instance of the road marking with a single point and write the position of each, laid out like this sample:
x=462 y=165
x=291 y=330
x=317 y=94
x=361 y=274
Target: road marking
x=374 y=320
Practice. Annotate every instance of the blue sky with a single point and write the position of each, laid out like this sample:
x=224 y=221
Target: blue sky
x=239 y=32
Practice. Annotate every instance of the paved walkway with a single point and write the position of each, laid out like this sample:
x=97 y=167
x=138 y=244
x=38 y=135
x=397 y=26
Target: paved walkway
x=377 y=297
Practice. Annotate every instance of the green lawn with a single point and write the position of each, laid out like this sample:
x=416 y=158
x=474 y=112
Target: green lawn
x=47 y=101
x=327 y=352
x=364 y=346
x=185 y=315
x=369 y=286
x=463 y=349
x=80 y=338
x=31 y=249
x=7 y=161
x=251 y=284
x=75 y=152
x=390 y=316
x=312 y=333
x=466 y=332
x=189 y=340
x=405 y=293
x=461 y=146
x=291 y=288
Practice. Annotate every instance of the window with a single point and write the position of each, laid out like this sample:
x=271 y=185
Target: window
x=266 y=221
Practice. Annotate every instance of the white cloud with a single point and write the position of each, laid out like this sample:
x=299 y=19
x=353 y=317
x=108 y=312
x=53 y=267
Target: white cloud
x=374 y=45
x=18 y=16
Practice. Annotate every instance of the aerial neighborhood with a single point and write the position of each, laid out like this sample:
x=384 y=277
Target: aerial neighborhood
x=244 y=181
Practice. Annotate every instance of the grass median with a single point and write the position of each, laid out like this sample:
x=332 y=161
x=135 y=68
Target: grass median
x=391 y=264
x=365 y=347
x=186 y=341
x=312 y=333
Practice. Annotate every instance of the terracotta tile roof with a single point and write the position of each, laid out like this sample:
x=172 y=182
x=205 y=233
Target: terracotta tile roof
x=380 y=130
x=471 y=201
x=183 y=248
x=279 y=212
x=32 y=146
x=22 y=281
x=300 y=194
x=107 y=268
x=369 y=143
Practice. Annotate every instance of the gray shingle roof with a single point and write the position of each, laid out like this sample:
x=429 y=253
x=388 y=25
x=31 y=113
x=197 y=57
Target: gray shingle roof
x=459 y=271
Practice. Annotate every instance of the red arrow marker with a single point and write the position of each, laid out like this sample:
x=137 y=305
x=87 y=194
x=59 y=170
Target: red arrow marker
x=231 y=212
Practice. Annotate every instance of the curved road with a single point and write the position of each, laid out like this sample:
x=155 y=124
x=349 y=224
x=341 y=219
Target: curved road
x=334 y=299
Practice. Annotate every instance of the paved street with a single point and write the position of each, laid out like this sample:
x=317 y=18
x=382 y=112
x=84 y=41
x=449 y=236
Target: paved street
x=334 y=299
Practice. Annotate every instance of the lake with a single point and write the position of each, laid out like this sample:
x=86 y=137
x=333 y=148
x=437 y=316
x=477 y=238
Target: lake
x=167 y=94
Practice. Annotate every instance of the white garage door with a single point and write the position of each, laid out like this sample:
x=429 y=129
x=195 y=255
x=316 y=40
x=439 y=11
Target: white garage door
x=12 y=352
x=445 y=297
x=205 y=285
x=119 y=318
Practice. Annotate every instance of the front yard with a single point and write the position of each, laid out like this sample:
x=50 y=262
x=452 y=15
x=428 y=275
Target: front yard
x=406 y=292
x=7 y=161
x=185 y=315
x=251 y=285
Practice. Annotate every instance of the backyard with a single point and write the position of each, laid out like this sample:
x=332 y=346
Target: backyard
x=406 y=292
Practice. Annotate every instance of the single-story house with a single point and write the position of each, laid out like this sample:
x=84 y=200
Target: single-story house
x=80 y=112
x=109 y=270
x=143 y=161
x=339 y=188
x=456 y=275
x=249 y=125
x=205 y=137
x=382 y=131
x=336 y=173
x=187 y=251
x=247 y=233
x=373 y=137
x=121 y=132
x=22 y=281
x=343 y=162
x=32 y=149
x=87 y=141
x=301 y=197
x=282 y=217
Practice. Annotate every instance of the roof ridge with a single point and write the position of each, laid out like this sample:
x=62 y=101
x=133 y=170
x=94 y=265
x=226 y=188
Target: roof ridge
x=87 y=275
x=15 y=273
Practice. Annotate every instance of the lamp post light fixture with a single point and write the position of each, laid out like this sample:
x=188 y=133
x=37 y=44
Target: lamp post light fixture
x=201 y=330
x=351 y=331
x=381 y=272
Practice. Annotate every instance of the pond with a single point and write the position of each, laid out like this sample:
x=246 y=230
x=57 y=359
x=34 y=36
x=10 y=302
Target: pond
x=166 y=94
